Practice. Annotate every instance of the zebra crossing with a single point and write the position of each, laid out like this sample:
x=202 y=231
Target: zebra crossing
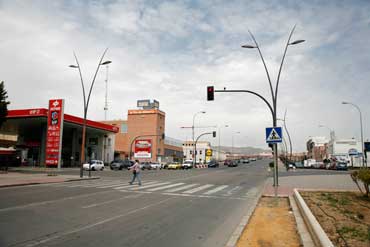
x=168 y=188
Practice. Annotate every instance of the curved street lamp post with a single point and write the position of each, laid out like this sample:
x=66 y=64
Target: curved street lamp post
x=86 y=104
x=219 y=140
x=364 y=162
x=274 y=93
x=192 y=127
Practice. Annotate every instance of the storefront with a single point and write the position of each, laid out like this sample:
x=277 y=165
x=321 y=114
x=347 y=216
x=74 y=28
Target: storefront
x=31 y=128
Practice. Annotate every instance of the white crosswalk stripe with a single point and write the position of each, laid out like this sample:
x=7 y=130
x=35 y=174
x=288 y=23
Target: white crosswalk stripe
x=129 y=185
x=149 y=186
x=198 y=189
x=181 y=188
x=215 y=190
x=165 y=187
x=112 y=185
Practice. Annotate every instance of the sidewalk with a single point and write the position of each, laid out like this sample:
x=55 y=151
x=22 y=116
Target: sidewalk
x=310 y=182
x=8 y=179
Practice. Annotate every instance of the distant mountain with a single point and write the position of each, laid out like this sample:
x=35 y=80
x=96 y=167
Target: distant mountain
x=243 y=150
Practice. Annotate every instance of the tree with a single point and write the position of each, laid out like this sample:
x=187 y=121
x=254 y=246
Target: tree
x=3 y=104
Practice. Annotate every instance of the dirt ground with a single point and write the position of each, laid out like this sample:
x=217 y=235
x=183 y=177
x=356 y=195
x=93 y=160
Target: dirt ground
x=344 y=216
x=271 y=225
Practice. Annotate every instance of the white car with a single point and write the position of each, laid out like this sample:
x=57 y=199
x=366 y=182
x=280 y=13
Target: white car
x=94 y=165
x=155 y=166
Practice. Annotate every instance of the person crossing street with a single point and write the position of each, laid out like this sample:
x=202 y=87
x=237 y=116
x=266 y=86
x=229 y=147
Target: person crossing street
x=136 y=172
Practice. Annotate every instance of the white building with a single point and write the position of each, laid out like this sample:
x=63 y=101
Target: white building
x=340 y=148
x=202 y=147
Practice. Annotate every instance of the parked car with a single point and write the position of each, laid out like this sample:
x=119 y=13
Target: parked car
x=341 y=166
x=253 y=159
x=233 y=163
x=213 y=164
x=174 y=166
x=245 y=161
x=227 y=162
x=188 y=164
x=145 y=166
x=120 y=164
x=94 y=165
x=155 y=165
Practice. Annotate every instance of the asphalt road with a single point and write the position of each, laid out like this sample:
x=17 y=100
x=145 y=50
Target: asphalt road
x=199 y=207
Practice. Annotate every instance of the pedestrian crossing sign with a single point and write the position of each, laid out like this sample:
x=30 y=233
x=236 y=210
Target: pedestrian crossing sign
x=274 y=135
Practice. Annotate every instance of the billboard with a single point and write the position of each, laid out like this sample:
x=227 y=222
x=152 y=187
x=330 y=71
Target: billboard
x=143 y=149
x=54 y=132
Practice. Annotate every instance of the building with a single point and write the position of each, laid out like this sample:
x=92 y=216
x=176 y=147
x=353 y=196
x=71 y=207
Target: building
x=145 y=126
x=203 y=151
x=27 y=130
x=344 y=148
x=317 y=148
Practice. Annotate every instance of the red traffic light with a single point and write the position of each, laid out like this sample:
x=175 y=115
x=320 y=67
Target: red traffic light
x=210 y=93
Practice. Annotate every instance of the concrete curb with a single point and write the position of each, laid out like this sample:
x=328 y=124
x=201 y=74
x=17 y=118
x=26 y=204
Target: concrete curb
x=233 y=240
x=317 y=233
x=304 y=235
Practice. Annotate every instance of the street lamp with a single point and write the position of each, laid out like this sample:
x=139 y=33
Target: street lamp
x=273 y=92
x=219 y=140
x=86 y=103
x=331 y=132
x=192 y=127
x=232 y=143
x=362 y=136
x=290 y=140
x=106 y=90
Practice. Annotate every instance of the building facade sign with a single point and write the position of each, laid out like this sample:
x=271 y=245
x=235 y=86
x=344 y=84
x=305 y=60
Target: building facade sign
x=143 y=149
x=54 y=132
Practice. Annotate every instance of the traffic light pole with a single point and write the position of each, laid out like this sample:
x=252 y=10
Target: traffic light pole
x=196 y=141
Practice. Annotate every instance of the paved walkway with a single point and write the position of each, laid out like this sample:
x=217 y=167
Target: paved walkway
x=310 y=182
x=8 y=179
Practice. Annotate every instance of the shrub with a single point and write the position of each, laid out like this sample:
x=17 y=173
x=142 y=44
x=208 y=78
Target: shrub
x=363 y=176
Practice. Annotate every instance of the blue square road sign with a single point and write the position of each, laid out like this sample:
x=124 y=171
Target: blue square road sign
x=274 y=135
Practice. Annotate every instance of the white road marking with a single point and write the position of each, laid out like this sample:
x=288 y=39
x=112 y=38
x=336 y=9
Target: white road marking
x=106 y=202
x=252 y=192
x=217 y=189
x=233 y=190
x=79 y=229
x=52 y=201
x=129 y=185
x=113 y=185
x=181 y=188
x=198 y=189
x=165 y=187
x=149 y=186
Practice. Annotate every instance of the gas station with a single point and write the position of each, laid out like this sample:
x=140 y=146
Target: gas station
x=34 y=145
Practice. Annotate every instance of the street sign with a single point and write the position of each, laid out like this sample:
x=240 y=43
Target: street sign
x=352 y=152
x=274 y=135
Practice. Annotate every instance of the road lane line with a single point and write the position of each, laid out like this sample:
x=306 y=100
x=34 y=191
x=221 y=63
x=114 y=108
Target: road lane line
x=181 y=188
x=107 y=202
x=198 y=189
x=233 y=190
x=165 y=187
x=79 y=229
x=149 y=186
x=129 y=185
x=52 y=201
x=217 y=189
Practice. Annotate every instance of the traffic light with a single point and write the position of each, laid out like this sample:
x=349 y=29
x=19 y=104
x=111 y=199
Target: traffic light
x=271 y=146
x=210 y=93
x=214 y=133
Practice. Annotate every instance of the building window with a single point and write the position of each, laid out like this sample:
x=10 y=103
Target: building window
x=124 y=128
x=200 y=151
x=190 y=152
x=109 y=142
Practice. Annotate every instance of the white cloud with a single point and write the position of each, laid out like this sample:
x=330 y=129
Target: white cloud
x=171 y=50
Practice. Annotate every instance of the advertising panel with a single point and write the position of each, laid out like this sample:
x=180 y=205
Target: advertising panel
x=143 y=149
x=54 y=132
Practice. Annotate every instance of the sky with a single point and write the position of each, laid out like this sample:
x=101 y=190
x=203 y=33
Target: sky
x=171 y=51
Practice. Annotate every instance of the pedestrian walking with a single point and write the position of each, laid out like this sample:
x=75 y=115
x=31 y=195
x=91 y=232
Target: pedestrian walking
x=135 y=172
